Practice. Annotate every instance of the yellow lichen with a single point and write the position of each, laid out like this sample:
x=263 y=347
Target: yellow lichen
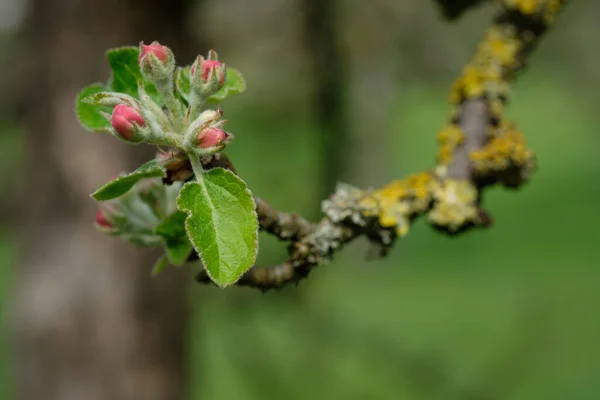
x=507 y=149
x=449 y=138
x=396 y=203
x=455 y=205
x=500 y=45
x=469 y=85
x=496 y=107
x=486 y=75
x=545 y=8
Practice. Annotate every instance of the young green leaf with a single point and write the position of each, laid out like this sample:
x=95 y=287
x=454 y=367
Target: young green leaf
x=234 y=84
x=88 y=114
x=221 y=223
x=160 y=265
x=126 y=73
x=183 y=82
x=125 y=70
x=122 y=184
x=178 y=246
x=178 y=251
x=173 y=226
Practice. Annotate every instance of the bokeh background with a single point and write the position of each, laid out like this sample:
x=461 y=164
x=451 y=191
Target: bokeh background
x=349 y=90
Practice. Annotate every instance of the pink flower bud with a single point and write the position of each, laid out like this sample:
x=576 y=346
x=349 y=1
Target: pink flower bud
x=102 y=221
x=207 y=67
x=123 y=119
x=155 y=48
x=212 y=137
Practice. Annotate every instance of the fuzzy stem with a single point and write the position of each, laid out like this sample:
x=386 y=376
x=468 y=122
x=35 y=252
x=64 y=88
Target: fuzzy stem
x=196 y=167
x=197 y=103
x=169 y=139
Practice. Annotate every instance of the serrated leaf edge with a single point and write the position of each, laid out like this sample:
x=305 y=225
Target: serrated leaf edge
x=163 y=174
x=188 y=212
x=81 y=99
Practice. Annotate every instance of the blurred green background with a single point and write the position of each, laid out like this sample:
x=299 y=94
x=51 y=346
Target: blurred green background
x=504 y=313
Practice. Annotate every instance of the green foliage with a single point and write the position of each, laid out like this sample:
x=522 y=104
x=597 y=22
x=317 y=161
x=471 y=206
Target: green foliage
x=160 y=265
x=126 y=73
x=121 y=185
x=234 y=84
x=219 y=218
x=172 y=227
x=178 y=251
x=183 y=83
x=124 y=79
x=88 y=114
x=177 y=246
x=221 y=224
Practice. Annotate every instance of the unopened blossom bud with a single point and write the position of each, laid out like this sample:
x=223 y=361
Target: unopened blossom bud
x=208 y=74
x=212 y=139
x=156 y=62
x=126 y=121
x=102 y=221
x=156 y=49
x=207 y=69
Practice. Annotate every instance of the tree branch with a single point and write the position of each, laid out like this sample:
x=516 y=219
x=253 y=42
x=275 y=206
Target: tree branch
x=474 y=125
x=285 y=226
x=477 y=148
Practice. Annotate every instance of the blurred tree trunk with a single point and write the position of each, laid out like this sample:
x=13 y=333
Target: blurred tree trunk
x=89 y=321
x=323 y=47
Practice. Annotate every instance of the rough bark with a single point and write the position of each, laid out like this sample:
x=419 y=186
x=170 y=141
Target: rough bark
x=89 y=322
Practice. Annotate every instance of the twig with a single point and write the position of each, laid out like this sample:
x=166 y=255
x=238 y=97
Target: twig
x=289 y=227
x=477 y=148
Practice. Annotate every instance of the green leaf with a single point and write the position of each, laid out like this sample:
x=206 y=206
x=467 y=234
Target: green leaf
x=234 y=84
x=88 y=114
x=160 y=265
x=183 y=82
x=126 y=73
x=221 y=223
x=178 y=246
x=122 y=184
x=172 y=227
x=178 y=251
x=125 y=70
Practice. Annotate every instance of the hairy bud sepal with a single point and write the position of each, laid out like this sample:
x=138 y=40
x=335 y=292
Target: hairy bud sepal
x=110 y=99
x=205 y=135
x=208 y=75
x=153 y=113
x=157 y=63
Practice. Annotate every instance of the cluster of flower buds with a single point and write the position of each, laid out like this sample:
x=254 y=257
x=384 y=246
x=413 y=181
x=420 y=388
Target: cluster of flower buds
x=163 y=120
x=136 y=214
